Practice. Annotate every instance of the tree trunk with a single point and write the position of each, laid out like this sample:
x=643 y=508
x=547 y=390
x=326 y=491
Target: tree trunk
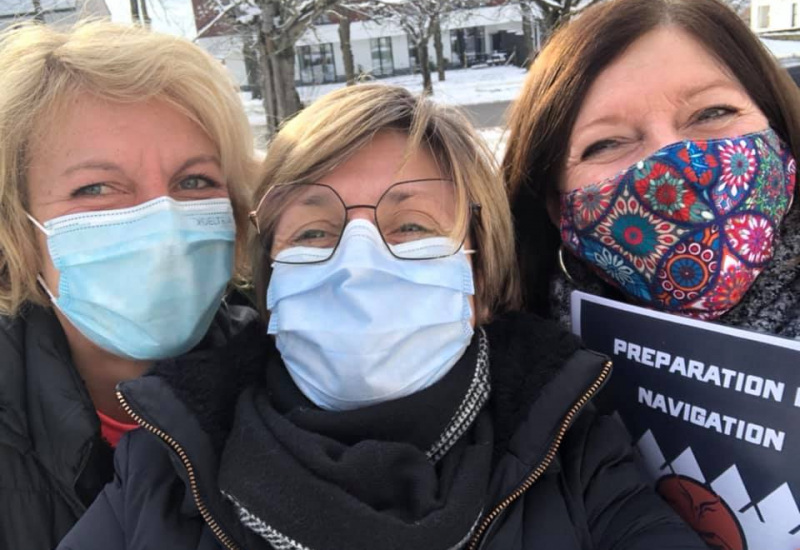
x=347 y=49
x=145 y=15
x=281 y=99
x=527 y=34
x=438 y=46
x=38 y=12
x=252 y=67
x=462 y=48
x=424 y=67
x=135 y=11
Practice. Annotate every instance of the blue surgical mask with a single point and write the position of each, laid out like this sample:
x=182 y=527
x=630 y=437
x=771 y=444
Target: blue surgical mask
x=143 y=282
x=365 y=327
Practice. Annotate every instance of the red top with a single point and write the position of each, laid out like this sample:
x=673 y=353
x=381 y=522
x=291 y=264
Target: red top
x=113 y=430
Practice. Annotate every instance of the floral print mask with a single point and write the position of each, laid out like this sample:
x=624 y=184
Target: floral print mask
x=688 y=229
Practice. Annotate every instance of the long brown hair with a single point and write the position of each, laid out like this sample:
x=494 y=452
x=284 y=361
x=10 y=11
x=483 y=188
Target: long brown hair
x=543 y=116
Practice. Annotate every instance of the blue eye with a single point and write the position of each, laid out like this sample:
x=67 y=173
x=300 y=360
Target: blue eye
x=714 y=113
x=197 y=182
x=92 y=190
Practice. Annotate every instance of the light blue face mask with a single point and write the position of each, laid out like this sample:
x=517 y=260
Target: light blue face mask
x=143 y=282
x=365 y=327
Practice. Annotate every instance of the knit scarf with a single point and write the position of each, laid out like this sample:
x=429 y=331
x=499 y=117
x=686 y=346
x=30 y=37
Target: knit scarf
x=408 y=473
x=772 y=305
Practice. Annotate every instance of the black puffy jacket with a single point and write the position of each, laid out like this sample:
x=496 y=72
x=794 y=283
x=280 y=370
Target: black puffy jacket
x=565 y=479
x=53 y=462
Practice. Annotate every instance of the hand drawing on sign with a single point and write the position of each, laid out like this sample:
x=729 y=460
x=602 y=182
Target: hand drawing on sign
x=721 y=510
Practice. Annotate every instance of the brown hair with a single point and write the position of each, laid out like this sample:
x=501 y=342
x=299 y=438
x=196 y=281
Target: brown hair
x=340 y=123
x=543 y=116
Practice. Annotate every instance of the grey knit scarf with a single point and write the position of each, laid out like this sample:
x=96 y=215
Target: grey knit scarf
x=772 y=305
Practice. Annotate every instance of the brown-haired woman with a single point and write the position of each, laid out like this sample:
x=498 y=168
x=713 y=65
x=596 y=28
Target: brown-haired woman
x=659 y=136
x=405 y=406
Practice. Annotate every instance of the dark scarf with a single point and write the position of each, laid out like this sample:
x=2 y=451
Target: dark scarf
x=409 y=473
x=772 y=305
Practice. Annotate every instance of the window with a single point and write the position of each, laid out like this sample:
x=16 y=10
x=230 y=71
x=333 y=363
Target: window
x=316 y=64
x=382 y=60
x=413 y=62
x=468 y=46
x=763 y=17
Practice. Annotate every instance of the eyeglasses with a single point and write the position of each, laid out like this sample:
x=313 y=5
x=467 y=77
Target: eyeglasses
x=303 y=223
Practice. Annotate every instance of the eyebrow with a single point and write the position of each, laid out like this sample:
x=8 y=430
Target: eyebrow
x=113 y=167
x=199 y=159
x=397 y=197
x=697 y=90
x=685 y=94
x=316 y=199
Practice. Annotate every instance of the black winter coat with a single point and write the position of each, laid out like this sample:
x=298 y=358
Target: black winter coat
x=564 y=478
x=53 y=461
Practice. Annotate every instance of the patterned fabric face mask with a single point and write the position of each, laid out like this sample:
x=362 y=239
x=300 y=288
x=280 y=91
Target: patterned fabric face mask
x=688 y=229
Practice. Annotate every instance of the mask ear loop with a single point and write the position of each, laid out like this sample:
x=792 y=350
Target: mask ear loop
x=39 y=277
x=43 y=284
x=37 y=224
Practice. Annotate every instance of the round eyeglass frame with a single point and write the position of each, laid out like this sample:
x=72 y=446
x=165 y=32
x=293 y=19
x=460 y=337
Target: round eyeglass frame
x=474 y=208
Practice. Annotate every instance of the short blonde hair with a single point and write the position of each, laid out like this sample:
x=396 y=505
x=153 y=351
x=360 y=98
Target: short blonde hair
x=339 y=124
x=43 y=68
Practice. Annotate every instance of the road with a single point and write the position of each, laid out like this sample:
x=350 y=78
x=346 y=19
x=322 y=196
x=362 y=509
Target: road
x=487 y=115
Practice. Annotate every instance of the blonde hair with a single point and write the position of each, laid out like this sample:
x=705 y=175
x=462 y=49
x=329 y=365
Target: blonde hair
x=339 y=124
x=42 y=69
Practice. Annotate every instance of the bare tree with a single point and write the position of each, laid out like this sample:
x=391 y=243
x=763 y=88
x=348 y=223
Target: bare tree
x=438 y=46
x=555 y=12
x=277 y=25
x=38 y=12
x=416 y=18
x=344 y=16
x=527 y=31
x=420 y=20
x=739 y=6
x=139 y=13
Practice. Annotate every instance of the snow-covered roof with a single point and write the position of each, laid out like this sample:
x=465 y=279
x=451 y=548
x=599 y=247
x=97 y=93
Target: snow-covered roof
x=19 y=7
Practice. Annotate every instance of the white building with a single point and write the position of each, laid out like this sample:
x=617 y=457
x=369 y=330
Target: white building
x=490 y=34
x=59 y=12
x=767 y=16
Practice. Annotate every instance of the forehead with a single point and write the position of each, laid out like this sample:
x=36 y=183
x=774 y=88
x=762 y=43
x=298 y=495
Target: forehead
x=385 y=160
x=85 y=125
x=666 y=64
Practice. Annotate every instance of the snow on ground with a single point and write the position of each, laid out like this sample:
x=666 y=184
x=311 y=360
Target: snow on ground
x=496 y=139
x=784 y=50
x=461 y=87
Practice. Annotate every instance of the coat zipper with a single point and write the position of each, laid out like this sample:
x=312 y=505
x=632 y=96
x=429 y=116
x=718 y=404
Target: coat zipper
x=545 y=463
x=175 y=446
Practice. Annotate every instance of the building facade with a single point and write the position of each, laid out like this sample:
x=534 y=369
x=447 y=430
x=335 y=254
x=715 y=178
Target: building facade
x=485 y=35
x=490 y=34
x=774 y=16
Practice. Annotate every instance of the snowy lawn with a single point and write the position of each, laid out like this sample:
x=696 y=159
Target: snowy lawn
x=461 y=87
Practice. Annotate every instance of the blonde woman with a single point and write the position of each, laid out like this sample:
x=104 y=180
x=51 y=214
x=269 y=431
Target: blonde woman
x=123 y=162
x=397 y=403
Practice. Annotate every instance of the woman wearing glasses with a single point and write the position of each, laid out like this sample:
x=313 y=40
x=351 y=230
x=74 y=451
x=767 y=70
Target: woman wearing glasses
x=397 y=403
